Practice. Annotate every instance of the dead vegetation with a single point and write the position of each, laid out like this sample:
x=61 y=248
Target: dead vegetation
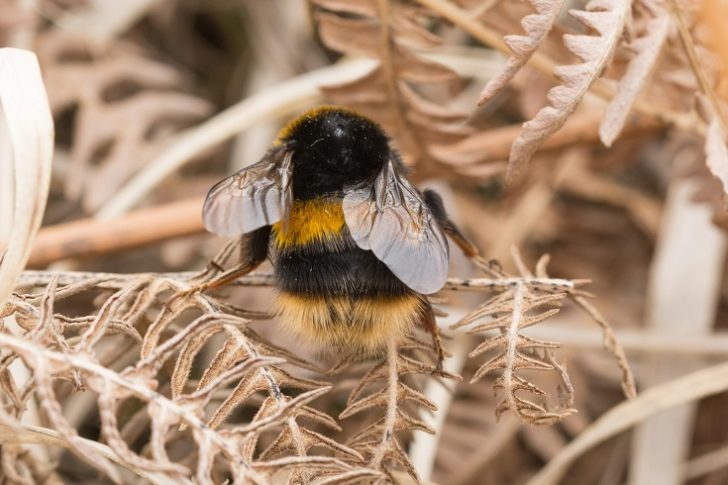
x=600 y=140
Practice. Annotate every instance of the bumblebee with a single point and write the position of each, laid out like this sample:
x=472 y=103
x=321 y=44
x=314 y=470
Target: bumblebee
x=354 y=245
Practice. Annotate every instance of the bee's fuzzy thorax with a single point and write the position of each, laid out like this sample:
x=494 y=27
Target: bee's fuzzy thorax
x=310 y=221
x=333 y=148
x=288 y=131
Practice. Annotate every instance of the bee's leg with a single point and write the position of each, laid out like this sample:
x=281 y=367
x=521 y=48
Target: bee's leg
x=254 y=250
x=430 y=325
x=434 y=202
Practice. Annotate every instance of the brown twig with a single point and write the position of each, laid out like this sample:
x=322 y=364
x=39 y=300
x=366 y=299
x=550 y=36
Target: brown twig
x=93 y=236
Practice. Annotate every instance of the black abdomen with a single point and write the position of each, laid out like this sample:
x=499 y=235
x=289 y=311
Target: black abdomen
x=335 y=269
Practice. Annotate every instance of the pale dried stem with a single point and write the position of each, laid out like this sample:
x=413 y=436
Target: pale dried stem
x=391 y=416
x=706 y=463
x=512 y=347
x=424 y=447
x=118 y=280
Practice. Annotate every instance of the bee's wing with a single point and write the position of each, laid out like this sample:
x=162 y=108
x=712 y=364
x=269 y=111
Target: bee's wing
x=390 y=218
x=256 y=196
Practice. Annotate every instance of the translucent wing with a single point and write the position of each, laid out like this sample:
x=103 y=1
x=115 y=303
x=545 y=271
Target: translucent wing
x=256 y=196
x=390 y=218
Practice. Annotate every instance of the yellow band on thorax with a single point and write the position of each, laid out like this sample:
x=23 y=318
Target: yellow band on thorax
x=310 y=221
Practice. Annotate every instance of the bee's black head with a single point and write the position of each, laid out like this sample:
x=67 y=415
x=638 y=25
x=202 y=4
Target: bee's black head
x=333 y=148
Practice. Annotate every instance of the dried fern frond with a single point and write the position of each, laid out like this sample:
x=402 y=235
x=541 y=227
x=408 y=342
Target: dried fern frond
x=391 y=31
x=128 y=109
x=56 y=351
x=608 y=19
x=246 y=375
x=647 y=50
x=529 y=300
x=384 y=387
x=537 y=26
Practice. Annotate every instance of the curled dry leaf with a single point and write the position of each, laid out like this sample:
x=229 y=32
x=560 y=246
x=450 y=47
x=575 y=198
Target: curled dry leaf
x=27 y=130
x=608 y=18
